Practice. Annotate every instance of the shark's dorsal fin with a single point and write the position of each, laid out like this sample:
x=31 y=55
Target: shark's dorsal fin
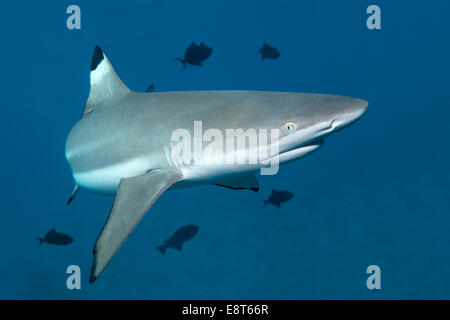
x=105 y=84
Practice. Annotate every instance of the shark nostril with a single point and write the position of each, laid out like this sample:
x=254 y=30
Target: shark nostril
x=331 y=126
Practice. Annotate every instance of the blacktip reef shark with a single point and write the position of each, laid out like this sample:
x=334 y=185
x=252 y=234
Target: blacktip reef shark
x=122 y=143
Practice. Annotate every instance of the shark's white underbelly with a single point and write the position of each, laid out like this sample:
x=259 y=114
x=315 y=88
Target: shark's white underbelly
x=106 y=179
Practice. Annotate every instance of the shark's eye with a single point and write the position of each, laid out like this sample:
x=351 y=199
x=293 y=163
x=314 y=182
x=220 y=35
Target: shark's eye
x=289 y=127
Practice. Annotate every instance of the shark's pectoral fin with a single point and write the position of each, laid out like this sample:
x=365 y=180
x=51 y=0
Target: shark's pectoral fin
x=74 y=193
x=134 y=197
x=238 y=182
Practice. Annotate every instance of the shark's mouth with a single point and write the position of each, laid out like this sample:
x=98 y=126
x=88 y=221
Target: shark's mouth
x=293 y=153
x=313 y=144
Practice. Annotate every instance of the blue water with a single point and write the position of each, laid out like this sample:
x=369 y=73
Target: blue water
x=376 y=193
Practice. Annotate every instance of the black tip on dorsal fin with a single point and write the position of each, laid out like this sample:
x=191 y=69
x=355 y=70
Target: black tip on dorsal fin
x=105 y=83
x=97 y=57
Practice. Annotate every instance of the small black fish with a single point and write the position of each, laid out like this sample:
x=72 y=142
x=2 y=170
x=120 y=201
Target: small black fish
x=269 y=52
x=195 y=54
x=176 y=240
x=277 y=197
x=151 y=88
x=57 y=238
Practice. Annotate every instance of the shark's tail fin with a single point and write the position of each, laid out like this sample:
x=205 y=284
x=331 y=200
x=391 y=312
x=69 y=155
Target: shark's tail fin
x=162 y=248
x=182 y=61
x=105 y=84
x=41 y=241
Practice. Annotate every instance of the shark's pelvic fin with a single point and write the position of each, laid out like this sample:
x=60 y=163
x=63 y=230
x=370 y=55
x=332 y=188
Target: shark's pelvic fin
x=74 y=193
x=105 y=84
x=238 y=182
x=134 y=197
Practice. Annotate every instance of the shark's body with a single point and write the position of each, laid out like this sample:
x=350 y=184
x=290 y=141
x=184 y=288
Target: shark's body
x=122 y=145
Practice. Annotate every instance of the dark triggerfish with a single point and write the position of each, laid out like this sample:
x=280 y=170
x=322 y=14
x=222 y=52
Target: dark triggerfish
x=195 y=54
x=269 y=52
x=277 y=197
x=57 y=238
x=176 y=240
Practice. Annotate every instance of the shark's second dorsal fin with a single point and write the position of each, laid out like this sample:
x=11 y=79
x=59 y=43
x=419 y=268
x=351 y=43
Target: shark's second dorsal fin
x=105 y=84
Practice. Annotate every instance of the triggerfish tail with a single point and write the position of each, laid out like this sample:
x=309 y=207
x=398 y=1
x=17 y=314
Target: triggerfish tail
x=182 y=61
x=162 y=249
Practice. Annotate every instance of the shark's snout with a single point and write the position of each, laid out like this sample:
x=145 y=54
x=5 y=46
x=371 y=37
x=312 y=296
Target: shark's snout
x=321 y=116
x=352 y=110
x=358 y=108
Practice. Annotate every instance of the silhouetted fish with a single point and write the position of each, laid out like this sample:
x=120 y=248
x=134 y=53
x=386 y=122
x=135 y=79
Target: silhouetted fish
x=195 y=54
x=269 y=52
x=176 y=240
x=151 y=88
x=58 y=238
x=277 y=197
